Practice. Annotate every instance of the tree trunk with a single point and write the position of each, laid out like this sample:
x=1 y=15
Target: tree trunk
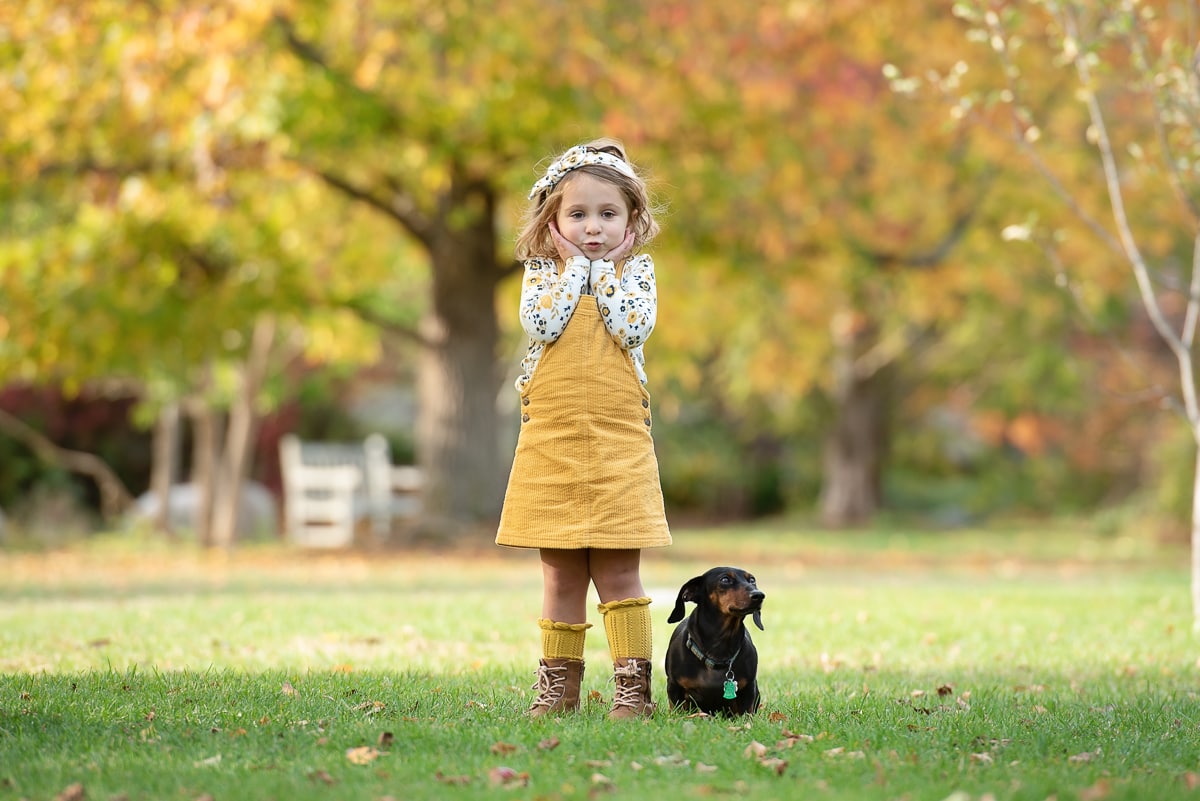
x=457 y=432
x=857 y=445
x=206 y=436
x=164 y=469
x=1196 y=535
x=235 y=459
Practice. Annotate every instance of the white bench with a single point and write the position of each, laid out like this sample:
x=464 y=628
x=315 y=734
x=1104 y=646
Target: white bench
x=329 y=487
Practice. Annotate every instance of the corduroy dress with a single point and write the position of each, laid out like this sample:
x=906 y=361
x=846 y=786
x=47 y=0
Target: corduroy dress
x=585 y=474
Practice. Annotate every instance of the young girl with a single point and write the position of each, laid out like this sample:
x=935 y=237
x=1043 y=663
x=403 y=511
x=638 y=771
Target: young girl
x=584 y=488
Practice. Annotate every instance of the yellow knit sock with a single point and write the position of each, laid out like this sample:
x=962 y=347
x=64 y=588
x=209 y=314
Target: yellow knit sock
x=628 y=626
x=562 y=640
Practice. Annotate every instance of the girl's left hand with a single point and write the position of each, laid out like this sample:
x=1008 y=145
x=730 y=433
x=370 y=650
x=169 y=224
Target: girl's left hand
x=618 y=254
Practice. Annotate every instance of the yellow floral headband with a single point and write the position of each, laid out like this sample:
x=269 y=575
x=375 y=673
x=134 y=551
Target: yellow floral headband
x=575 y=158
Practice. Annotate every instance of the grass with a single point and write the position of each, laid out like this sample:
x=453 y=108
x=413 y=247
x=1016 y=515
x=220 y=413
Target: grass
x=1022 y=664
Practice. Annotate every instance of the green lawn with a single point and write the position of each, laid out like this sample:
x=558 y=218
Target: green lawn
x=1016 y=664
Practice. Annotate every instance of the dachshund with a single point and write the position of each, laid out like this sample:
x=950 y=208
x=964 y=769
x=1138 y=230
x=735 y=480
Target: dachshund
x=711 y=663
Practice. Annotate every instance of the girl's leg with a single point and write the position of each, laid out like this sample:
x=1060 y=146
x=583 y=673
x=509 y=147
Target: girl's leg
x=564 y=585
x=563 y=625
x=616 y=573
x=626 y=610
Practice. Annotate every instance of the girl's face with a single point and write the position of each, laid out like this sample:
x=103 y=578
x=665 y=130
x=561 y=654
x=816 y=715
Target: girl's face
x=594 y=214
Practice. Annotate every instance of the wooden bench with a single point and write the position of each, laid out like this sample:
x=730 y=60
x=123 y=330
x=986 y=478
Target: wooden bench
x=329 y=488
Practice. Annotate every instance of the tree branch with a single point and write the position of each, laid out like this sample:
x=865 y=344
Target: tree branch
x=114 y=496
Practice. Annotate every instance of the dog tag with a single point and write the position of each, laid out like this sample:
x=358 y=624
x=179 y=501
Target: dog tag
x=730 y=687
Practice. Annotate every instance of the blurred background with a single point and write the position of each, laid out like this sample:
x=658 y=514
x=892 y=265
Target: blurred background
x=891 y=282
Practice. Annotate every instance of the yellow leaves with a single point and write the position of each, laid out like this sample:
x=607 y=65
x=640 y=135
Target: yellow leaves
x=362 y=755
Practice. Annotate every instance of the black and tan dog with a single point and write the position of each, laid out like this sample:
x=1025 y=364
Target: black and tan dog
x=712 y=664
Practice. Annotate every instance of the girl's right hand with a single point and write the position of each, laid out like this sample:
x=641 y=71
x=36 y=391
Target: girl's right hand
x=566 y=248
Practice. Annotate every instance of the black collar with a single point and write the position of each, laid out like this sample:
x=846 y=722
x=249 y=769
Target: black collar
x=709 y=662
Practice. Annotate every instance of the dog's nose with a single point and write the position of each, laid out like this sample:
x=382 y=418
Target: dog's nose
x=757 y=595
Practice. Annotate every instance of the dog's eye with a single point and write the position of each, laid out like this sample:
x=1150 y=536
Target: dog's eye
x=751 y=579
x=726 y=581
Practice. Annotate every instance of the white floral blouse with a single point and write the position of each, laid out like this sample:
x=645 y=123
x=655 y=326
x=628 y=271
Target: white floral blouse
x=628 y=305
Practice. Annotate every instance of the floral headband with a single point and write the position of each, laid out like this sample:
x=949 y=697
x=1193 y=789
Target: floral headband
x=575 y=158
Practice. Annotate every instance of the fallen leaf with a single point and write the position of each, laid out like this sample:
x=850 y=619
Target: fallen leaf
x=599 y=763
x=386 y=739
x=503 y=776
x=363 y=755
x=370 y=707
x=600 y=778
x=500 y=749
x=1086 y=756
x=776 y=717
x=945 y=690
x=791 y=735
x=1192 y=780
x=73 y=792
x=321 y=776
x=288 y=689
x=207 y=763
x=264 y=720
x=775 y=764
x=702 y=768
x=549 y=744
x=982 y=759
x=755 y=750
x=832 y=752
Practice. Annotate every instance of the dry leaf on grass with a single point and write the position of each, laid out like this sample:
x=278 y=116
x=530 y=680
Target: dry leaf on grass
x=73 y=792
x=504 y=776
x=500 y=749
x=321 y=776
x=386 y=738
x=755 y=750
x=549 y=744
x=444 y=779
x=363 y=755
x=288 y=689
x=1086 y=756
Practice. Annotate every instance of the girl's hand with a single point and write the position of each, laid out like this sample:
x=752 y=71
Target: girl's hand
x=566 y=248
x=618 y=254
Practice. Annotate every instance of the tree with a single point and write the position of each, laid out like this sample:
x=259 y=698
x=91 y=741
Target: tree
x=1129 y=177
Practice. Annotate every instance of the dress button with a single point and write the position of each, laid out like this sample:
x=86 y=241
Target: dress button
x=645 y=403
x=524 y=418
x=524 y=401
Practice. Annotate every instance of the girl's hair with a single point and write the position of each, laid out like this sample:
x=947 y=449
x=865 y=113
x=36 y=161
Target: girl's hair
x=534 y=239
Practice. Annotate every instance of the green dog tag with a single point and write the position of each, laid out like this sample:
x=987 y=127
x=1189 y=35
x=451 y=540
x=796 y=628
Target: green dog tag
x=730 y=689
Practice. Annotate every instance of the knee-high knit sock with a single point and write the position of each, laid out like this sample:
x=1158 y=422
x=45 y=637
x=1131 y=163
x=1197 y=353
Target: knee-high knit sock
x=562 y=640
x=628 y=626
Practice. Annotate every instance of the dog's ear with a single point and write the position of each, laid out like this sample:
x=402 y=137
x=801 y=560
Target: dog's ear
x=688 y=592
x=758 y=619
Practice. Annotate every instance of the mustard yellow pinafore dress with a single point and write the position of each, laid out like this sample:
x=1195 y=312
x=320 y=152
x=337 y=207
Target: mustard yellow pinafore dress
x=584 y=474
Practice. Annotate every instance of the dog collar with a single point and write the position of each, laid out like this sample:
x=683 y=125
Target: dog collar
x=708 y=661
x=729 y=689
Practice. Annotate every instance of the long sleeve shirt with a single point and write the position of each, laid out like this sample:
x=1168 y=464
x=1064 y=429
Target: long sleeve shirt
x=628 y=304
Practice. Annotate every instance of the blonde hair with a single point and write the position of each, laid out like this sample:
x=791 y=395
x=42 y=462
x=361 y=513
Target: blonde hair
x=534 y=240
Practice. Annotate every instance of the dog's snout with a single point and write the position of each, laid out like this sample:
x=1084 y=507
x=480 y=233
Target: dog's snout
x=757 y=595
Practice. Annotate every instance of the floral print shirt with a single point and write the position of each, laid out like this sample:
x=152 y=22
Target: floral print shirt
x=628 y=305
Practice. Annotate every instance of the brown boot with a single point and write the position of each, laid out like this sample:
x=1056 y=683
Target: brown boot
x=631 y=698
x=558 y=683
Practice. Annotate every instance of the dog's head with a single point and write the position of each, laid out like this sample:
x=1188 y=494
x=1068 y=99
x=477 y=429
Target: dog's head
x=729 y=590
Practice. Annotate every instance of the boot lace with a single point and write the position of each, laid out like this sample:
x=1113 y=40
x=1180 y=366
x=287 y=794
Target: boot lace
x=551 y=685
x=628 y=691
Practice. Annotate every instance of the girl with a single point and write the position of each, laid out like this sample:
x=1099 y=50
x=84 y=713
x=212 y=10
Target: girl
x=584 y=488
